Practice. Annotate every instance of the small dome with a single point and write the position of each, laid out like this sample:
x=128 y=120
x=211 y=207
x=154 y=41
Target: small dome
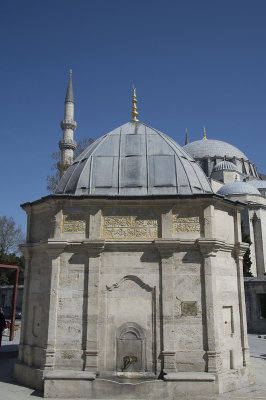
x=237 y=187
x=213 y=148
x=225 y=166
x=258 y=184
x=134 y=160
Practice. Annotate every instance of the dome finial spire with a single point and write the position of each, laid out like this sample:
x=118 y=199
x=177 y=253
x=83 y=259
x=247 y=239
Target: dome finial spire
x=134 y=113
x=204 y=133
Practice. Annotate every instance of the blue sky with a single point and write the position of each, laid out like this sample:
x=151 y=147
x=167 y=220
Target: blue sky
x=194 y=63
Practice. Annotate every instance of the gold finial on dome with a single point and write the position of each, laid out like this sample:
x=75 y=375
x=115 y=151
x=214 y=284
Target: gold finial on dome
x=70 y=73
x=134 y=113
x=204 y=134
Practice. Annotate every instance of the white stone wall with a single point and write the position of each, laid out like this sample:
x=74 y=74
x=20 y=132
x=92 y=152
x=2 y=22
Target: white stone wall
x=229 y=312
x=189 y=329
x=171 y=269
x=71 y=320
x=224 y=226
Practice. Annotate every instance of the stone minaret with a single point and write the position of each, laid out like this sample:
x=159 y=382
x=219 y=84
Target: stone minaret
x=67 y=145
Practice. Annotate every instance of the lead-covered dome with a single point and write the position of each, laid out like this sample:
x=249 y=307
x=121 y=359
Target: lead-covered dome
x=237 y=187
x=134 y=160
x=213 y=148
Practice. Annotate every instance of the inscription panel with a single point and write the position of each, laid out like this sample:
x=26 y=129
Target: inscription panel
x=74 y=223
x=187 y=224
x=141 y=224
x=186 y=220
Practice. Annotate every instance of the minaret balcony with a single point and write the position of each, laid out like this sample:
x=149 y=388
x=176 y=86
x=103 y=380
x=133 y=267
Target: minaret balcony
x=67 y=144
x=68 y=124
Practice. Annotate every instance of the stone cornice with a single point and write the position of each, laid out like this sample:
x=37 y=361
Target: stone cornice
x=166 y=247
x=240 y=248
x=55 y=247
x=210 y=247
x=160 y=200
x=124 y=245
x=49 y=246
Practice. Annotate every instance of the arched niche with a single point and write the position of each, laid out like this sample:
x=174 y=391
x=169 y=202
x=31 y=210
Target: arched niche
x=131 y=348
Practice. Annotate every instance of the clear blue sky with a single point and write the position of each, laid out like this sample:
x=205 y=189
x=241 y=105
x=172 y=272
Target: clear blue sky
x=194 y=63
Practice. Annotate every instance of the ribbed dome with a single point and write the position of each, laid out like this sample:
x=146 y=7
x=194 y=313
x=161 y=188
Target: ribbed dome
x=225 y=166
x=134 y=160
x=213 y=148
x=237 y=187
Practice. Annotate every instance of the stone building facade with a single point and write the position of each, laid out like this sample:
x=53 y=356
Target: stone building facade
x=155 y=279
x=232 y=175
x=133 y=278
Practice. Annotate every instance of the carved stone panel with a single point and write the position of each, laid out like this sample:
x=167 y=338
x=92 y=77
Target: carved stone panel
x=129 y=223
x=189 y=308
x=74 y=223
x=185 y=221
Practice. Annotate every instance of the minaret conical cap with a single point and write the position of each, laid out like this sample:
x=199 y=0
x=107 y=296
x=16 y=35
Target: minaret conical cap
x=186 y=140
x=69 y=94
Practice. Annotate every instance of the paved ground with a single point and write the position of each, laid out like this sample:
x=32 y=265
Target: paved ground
x=9 y=390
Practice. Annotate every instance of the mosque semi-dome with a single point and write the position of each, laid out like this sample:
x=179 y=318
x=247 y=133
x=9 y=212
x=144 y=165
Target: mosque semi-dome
x=237 y=187
x=134 y=160
x=225 y=166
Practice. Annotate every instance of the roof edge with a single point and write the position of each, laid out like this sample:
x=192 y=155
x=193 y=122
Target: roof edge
x=150 y=197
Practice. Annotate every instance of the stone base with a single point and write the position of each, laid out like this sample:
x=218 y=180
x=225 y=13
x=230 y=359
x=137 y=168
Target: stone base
x=84 y=384
x=110 y=389
x=29 y=376
x=235 y=379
